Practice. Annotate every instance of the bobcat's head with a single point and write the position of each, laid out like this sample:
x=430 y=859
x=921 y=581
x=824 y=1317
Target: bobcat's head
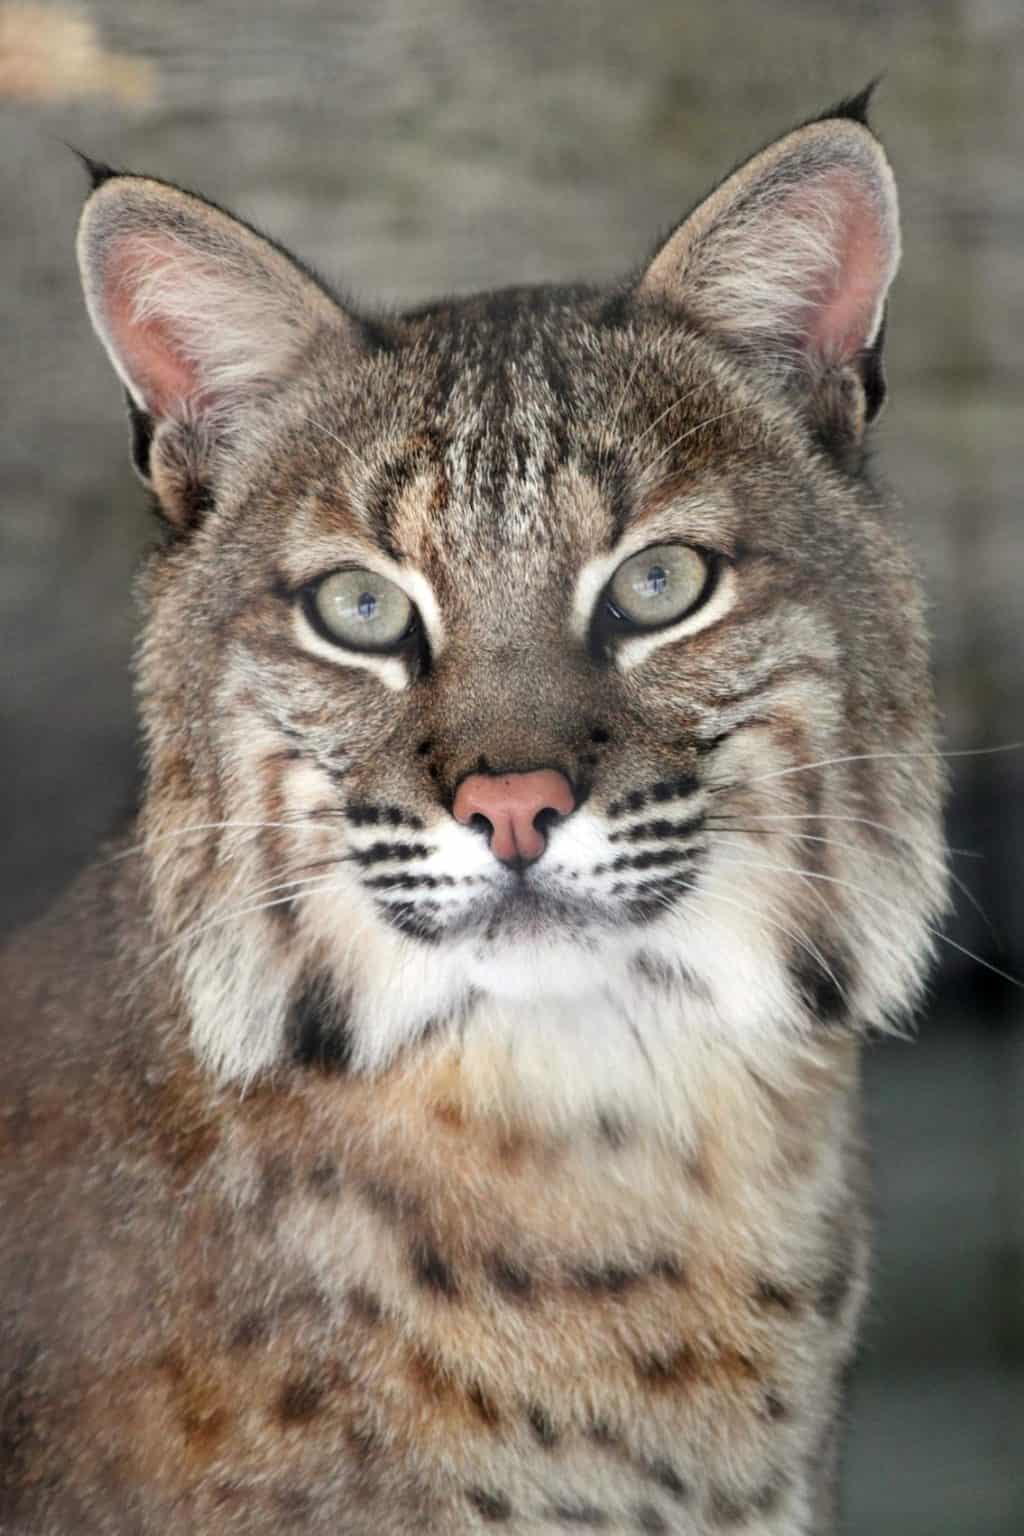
x=533 y=674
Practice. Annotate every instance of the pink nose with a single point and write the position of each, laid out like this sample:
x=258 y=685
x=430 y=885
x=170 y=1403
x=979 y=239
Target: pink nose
x=511 y=802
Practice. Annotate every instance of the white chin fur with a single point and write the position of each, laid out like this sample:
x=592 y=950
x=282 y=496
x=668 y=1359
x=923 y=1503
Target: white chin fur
x=559 y=970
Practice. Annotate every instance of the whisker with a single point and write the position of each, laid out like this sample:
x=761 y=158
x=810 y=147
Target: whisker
x=275 y=884
x=610 y=433
x=881 y=901
x=319 y=427
x=707 y=422
x=884 y=858
x=197 y=930
x=861 y=821
x=217 y=826
x=667 y=412
x=800 y=936
x=864 y=757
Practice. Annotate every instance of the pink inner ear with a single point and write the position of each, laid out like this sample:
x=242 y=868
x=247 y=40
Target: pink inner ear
x=154 y=362
x=842 y=317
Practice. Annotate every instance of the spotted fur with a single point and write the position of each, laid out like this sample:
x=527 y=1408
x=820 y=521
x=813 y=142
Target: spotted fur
x=361 y=1183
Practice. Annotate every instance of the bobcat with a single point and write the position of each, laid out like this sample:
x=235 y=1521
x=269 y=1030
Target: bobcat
x=442 y=1112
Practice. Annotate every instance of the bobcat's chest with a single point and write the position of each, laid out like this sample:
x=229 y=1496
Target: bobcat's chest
x=604 y=1330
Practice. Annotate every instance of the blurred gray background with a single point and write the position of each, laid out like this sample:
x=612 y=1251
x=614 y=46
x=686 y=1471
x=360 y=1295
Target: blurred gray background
x=406 y=149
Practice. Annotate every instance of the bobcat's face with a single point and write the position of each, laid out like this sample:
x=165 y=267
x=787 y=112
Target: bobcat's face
x=496 y=519
x=523 y=666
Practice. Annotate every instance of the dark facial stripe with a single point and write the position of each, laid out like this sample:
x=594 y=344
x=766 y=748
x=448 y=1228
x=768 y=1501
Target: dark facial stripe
x=659 y=828
x=663 y=790
x=361 y=813
x=652 y=859
x=406 y=882
x=379 y=851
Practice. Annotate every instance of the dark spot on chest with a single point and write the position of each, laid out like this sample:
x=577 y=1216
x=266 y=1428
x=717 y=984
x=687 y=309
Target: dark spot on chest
x=20 y=1441
x=769 y=1293
x=364 y=1442
x=568 y=1512
x=541 y=1424
x=198 y=1401
x=604 y=1279
x=276 y=1180
x=299 y=1400
x=651 y=1520
x=322 y=1179
x=728 y=1509
x=774 y=1407
x=601 y=1433
x=433 y=1272
x=294 y=1504
x=666 y=1476
x=179 y=1119
x=661 y=1372
x=483 y=1406
x=613 y=1130
x=493 y=1507
x=387 y=1201
x=364 y=1305
x=251 y=1330
x=511 y=1277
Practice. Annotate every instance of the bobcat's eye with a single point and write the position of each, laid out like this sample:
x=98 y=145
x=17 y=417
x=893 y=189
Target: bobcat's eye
x=659 y=585
x=362 y=610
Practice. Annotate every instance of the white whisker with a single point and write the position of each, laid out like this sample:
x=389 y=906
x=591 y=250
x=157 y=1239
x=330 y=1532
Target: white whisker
x=610 y=432
x=707 y=422
x=319 y=427
x=799 y=935
x=220 y=917
x=298 y=819
x=861 y=821
x=881 y=901
x=884 y=858
x=864 y=757
x=667 y=412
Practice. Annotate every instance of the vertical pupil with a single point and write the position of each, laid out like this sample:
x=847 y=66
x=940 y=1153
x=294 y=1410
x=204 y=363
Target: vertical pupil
x=367 y=605
x=657 y=580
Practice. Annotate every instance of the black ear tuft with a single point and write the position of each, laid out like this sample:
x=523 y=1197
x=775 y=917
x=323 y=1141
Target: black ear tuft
x=142 y=437
x=97 y=170
x=873 y=374
x=854 y=108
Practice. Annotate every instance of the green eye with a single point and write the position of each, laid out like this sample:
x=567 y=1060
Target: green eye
x=362 y=610
x=659 y=585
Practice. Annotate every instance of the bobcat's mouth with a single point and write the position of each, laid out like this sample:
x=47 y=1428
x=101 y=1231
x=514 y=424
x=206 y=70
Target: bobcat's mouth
x=525 y=906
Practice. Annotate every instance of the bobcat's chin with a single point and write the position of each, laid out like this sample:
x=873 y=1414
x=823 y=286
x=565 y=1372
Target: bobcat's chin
x=570 y=964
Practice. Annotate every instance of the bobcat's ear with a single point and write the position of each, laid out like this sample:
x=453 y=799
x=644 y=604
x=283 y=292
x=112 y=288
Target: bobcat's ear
x=790 y=260
x=202 y=318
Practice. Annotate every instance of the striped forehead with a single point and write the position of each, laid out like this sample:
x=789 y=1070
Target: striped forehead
x=504 y=427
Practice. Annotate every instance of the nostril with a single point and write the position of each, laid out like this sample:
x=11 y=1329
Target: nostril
x=480 y=823
x=546 y=819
